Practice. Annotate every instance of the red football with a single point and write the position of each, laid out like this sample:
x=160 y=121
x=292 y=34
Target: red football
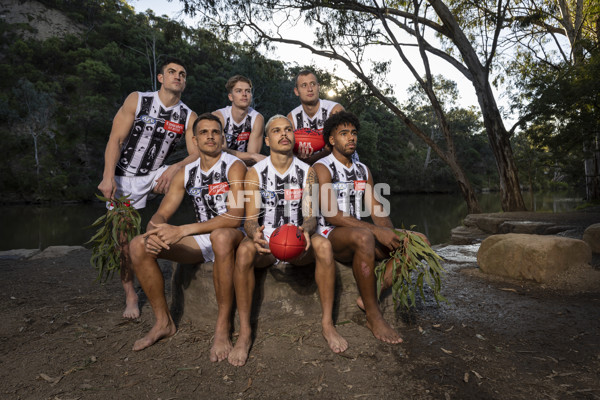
x=287 y=242
x=307 y=138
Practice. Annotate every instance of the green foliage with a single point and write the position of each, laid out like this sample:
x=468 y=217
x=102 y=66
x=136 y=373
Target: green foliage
x=414 y=264
x=115 y=228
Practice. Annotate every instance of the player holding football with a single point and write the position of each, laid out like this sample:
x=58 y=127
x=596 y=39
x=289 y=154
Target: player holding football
x=213 y=181
x=242 y=124
x=353 y=240
x=280 y=191
x=144 y=132
x=308 y=118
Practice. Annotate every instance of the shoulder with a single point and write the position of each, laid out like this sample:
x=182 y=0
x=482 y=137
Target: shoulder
x=295 y=111
x=301 y=163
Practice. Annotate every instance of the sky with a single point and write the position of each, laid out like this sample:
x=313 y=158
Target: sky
x=400 y=77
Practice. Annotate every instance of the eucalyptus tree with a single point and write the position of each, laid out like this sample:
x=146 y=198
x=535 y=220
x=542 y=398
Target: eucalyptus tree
x=349 y=30
x=556 y=46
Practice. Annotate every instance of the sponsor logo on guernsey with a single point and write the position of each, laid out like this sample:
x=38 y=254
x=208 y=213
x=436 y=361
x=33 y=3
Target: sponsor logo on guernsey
x=174 y=127
x=341 y=185
x=360 y=185
x=268 y=195
x=147 y=119
x=218 y=188
x=292 y=194
x=243 y=136
x=196 y=191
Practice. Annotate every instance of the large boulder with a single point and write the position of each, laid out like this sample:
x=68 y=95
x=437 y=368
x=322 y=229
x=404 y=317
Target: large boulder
x=591 y=236
x=280 y=290
x=536 y=257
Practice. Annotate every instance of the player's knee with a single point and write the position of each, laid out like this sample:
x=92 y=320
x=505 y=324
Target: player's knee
x=137 y=249
x=364 y=239
x=222 y=241
x=244 y=256
x=322 y=247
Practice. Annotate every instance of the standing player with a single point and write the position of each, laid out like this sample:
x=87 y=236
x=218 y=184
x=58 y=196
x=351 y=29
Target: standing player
x=308 y=118
x=145 y=131
x=242 y=124
x=348 y=186
x=280 y=191
x=214 y=181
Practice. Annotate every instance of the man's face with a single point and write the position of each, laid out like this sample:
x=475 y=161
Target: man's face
x=343 y=139
x=280 y=137
x=307 y=88
x=208 y=137
x=173 y=78
x=241 y=95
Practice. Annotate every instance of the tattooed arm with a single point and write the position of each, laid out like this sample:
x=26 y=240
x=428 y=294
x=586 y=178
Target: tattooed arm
x=251 y=226
x=309 y=202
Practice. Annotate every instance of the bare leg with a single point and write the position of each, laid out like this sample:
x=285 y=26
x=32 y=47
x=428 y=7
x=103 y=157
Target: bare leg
x=325 y=278
x=224 y=241
x=243 y=279
x=151 y=279
x=132 y=311
x=361 y=244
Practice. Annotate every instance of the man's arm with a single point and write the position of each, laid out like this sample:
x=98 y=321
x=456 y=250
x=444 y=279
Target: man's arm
x=253 y=208
x=335 y=217
x=164 y=181
x=309 y=210
x=122 y=123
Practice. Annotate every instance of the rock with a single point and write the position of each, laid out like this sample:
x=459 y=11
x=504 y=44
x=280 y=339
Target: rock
x=281 y=289
x=465 y=235
x=536 y=257
x=18 y=254
x=56 y=251
x=529 y=227
x=466 y=254
x=592 y=237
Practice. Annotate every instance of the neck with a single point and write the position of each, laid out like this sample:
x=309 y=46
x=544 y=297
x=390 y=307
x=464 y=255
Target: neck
x=311 y=109
x=282 y=161
x=208 y=160
x=168 y=98
x=347 y=161
x=238 y=114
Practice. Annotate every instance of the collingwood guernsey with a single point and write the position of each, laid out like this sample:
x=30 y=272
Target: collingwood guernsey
x=349 y=185
x=209 y=189
x=155 y=132
x=281 y=194
x=237 y=135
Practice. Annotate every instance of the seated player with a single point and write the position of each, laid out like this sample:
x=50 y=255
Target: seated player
x=213 y=181
x=279 y=189
x=345 y=185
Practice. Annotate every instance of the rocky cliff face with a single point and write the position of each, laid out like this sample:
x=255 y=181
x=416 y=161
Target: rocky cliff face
x=38 y=21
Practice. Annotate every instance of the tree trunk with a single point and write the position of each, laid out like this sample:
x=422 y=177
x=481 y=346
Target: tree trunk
x=592 y=170
x=465 y=188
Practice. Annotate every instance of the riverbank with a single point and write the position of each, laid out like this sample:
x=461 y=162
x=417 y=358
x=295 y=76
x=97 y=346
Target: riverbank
x=63 y=337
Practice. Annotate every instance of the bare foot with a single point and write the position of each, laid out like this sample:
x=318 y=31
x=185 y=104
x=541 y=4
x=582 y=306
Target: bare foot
x=157 y=332
x=132 y=311
x=238 y=356
x=336 y=342
x=383 y=331
x=221 y=347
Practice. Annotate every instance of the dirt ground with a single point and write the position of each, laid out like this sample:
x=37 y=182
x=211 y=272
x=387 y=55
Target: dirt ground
x=62 y=337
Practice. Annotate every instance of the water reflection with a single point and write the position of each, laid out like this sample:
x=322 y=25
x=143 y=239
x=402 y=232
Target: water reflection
x=32 y=226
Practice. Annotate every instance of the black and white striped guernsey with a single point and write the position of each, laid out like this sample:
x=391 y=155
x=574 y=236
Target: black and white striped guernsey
x=209 y=189
x=155 y=132
x=349 y=185
x=281 y=194
x=237 y=136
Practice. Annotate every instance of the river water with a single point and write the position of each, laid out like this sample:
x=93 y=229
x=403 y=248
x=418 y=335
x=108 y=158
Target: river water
x=36 y=226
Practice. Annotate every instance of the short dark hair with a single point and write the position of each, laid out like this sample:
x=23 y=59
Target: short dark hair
x=234 y=80
x=337 y=119
x=170 y=60
x=305 y=72
x=208 y=116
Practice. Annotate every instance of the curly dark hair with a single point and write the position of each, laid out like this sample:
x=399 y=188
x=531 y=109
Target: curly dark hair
x=337 y=119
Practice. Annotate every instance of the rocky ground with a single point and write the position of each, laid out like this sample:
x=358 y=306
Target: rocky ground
x=62 y=337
